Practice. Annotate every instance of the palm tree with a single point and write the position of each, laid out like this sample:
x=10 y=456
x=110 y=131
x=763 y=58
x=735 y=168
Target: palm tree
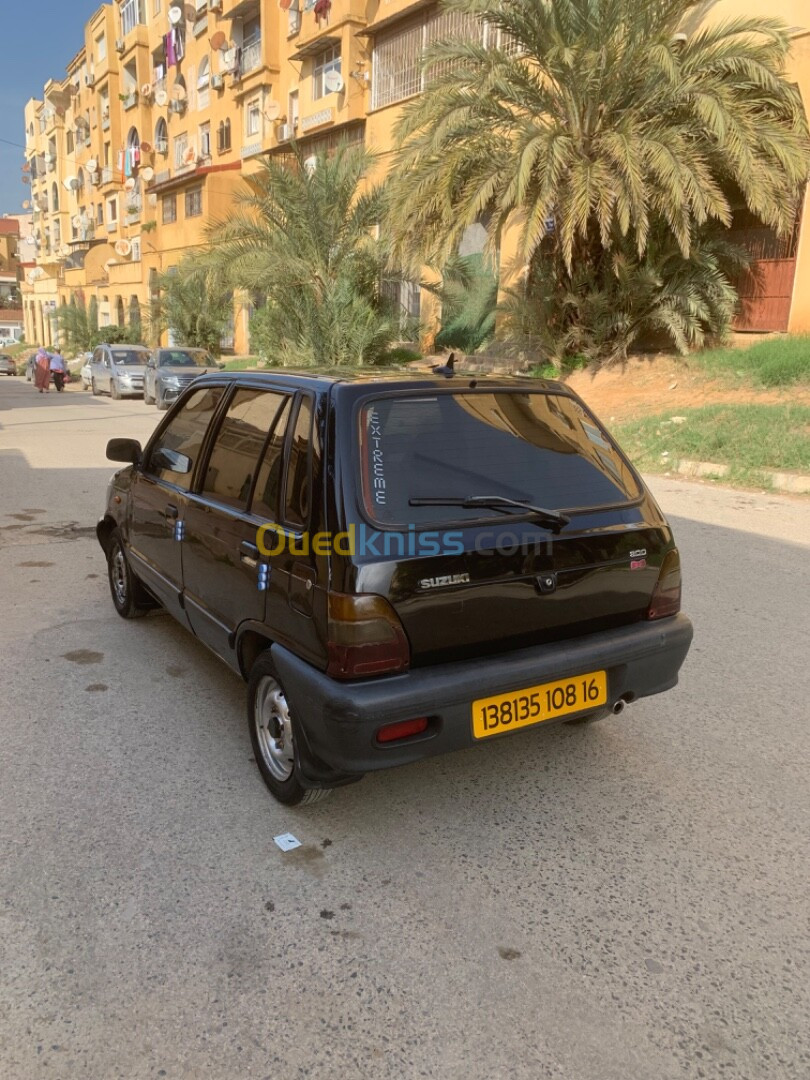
x=303 y=242
x=595 y=125
x=195 y=302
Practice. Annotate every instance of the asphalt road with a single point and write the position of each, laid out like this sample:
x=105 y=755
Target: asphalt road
x=622 y=902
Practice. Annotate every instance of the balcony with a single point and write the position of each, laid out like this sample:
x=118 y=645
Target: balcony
x=105 y=122
x=251 y=58
x=107 y=175
x=130 y=100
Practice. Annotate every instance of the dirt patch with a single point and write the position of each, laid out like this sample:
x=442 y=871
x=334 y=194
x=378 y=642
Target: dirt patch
x=657 y=384
x=33 y=562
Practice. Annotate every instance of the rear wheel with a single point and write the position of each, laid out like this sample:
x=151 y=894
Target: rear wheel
x=272 y=733
x=129 y=597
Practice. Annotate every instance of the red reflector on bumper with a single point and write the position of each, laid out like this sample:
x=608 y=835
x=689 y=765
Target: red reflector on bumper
x=402 y=730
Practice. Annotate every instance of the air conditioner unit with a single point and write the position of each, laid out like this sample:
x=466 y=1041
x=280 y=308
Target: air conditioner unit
x=215 y=5
x=284 y=132
x=119 y=45
x=177 y=106
x=217 y=81
x=89 y=80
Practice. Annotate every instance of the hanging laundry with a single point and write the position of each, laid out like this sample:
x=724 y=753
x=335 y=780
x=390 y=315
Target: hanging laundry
x=120 y=168
x=168 y=45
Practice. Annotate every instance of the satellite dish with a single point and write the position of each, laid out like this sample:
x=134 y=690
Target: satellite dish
x=310 y=164
x=26 y=179
x=190 y=12
x=161 y=98
x=175 y=15
x=27 y=204
x=92 y=165
x=148 y=174
x=146 y=90
x=218 y=41
x=273 y=110
x=130 y=184
x=146 y=147
x=31 y=240
x=71 y=183
x=333 y=81
x=179 y=92
x=26 y=167
x=123 y=248
x=76 y=222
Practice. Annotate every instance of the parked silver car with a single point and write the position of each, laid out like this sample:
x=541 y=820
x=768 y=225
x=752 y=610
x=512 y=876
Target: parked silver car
x=118 y=370
x=169 y=371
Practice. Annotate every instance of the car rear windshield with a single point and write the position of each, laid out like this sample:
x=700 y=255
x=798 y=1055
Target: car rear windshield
x=129 y=356
x=537 y=447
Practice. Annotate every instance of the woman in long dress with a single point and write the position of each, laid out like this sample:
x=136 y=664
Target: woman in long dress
x=42 y=372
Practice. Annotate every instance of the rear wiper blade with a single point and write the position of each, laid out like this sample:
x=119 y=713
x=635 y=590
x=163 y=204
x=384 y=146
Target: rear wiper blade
x=552 y=518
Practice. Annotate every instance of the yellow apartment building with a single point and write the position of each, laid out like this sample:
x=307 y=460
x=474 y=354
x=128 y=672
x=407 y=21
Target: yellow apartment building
x=167 y=107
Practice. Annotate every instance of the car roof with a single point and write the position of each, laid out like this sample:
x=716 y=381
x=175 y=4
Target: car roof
x=337 y=380
x=125 y=345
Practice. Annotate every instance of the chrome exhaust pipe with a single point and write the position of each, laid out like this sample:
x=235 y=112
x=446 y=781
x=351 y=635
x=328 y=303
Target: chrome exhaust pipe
x=618 y=706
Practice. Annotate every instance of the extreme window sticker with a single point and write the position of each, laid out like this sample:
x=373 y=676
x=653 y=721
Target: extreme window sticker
x=377 y=461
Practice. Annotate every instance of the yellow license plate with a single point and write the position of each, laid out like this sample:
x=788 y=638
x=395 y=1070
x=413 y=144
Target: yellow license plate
x=522 y=708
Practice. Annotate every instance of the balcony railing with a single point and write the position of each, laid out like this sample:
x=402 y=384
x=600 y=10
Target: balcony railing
x=251 y=57
x=131 y=100
x=107 y=174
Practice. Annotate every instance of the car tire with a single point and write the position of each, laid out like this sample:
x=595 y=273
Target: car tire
x=94 y=387
x=129 y=597
x=115 y=393
x=147 y=400
x=161 y=403
x=272 y=734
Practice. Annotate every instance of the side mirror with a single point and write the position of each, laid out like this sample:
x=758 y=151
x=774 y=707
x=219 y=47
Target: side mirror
x=163 y=458
x=128 y=450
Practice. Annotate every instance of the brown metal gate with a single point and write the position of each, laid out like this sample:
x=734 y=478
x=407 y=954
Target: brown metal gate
x=765 y=288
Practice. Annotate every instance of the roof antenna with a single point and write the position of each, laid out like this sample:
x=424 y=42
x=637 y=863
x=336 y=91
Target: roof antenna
x=447 y=369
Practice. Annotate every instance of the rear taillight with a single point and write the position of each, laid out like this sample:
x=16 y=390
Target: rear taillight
x=403 y=729
x=666 y=597
x=365 y=638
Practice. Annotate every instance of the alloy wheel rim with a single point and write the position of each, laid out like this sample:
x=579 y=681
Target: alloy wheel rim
x=274 y=729
x=119 y=576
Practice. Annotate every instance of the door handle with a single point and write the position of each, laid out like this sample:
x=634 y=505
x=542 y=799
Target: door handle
x=249 y=553
x=172 y=512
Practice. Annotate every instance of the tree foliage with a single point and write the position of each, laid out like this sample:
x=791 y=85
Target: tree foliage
x=195 y=302
x=607 y=136
x=302 y=241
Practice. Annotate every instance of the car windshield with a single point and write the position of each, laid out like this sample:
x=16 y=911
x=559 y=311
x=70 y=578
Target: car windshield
x=185 y=358
x=135 y=357
x=540 y=448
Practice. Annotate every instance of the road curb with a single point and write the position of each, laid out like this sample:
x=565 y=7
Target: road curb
x=792 y=483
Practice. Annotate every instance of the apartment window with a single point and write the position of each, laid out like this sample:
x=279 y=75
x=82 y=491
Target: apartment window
x=397 y=58
x=180 y=148
x=131 y=15
x=194 y=202
x=69 y=141
x=292 y=109
x=112 y=210
x=136 y=249
x=205 y=140
x=169 y=209
x=155 y=7
x=203 y=84
x=161 y=137
x=254 y=117
x=224 y=137
x=100 y=214
x=328 y=60
x=293 y=18
x=101 y=47
x=251 y=45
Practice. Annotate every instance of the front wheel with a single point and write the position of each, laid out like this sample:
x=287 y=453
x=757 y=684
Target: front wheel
x=128 y=595
x=94 y=388
x=161 y=402
x=272 y=733
x=115 y=393
x=147 y=399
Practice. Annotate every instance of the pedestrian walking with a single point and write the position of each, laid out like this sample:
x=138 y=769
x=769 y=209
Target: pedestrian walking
x=42 y=371
x=59 y=371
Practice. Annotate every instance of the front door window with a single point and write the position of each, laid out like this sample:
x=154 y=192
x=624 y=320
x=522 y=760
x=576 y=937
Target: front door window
x=174 y=453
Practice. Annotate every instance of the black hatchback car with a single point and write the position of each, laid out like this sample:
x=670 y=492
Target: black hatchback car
x=398 y=566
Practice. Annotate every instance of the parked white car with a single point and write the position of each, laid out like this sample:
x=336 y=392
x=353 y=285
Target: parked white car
x=85 y=374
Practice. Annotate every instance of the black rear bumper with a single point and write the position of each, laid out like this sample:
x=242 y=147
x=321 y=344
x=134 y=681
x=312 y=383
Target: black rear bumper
x=338 y=721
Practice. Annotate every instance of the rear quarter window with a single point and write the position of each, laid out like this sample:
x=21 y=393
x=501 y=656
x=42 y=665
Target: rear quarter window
x=538 y=447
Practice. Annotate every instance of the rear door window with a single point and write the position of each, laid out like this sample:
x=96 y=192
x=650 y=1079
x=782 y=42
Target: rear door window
x=239 y=444
x=267 y=493
x=174 y=453
x=535 y=447
x=304 y=455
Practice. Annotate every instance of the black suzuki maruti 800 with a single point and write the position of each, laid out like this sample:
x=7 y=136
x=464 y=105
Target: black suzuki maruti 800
x=397 y=565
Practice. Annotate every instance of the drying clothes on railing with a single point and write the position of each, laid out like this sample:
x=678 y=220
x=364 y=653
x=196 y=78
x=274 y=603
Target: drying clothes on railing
x=174 y=44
